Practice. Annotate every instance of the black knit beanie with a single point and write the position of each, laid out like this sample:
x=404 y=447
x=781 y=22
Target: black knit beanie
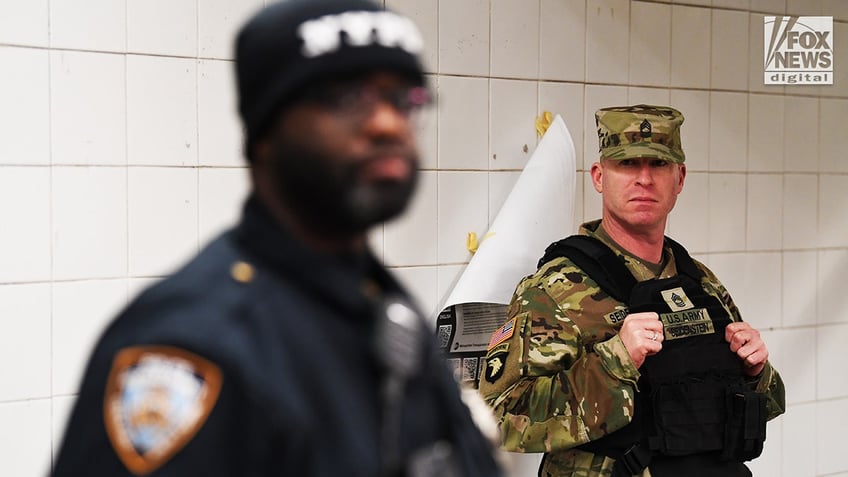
x=293 y=43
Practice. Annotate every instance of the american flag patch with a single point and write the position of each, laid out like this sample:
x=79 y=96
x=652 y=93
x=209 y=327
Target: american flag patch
x=502 y=334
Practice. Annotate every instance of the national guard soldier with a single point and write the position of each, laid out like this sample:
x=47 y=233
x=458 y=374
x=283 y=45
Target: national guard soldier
x=622 y=355
x=285 y=348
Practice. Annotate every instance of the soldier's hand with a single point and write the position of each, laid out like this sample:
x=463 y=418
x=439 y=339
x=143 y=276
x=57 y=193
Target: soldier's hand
x=642 y=335
x=746 y=342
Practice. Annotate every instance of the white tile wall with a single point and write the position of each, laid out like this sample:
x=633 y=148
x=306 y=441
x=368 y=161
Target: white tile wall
x=689 y=222
x=464 y=41
x=162 y=27
x=765 y=212
x=25 y=342
x=219 y=131
x=833 y=217
x=801 y=134
x=425 y=14
x=162 y=218
x=729 y=50
x=832 y=425
x=221 y=195
x=727 y=214
x=24 y=96
x=799 y=430
x=88 y=120
x=25 y=241
x=833 y=142
x=756 y=59
x=799 y=289
x=690 y=46
x=794 y=363
x=500 y=185
x=62 y=407
x=81 y=311
x=463 y=208
x=607 y=34
x=562 y=45
x=412 y=238
x=463 y=125
x=728 y=131
x=769 y=6
x=646 y=95
x=23 y=22
x=695 y=107
x=765 y=126
x=217 y=24
x=832 y=276
x=515 y=38
x=25 y=437
x=99 y=25
x=427 y=128
x=89 y=232
x=512 y=123
x=422 y=282
x=597 y=97
x=800 y=199
x=161 y=110
x=758 y=302
x=650 y=44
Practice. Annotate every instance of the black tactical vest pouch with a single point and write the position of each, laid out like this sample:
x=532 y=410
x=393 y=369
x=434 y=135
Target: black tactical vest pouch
x=745 y=429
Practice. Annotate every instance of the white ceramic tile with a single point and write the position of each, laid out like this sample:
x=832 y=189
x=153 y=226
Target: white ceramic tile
x=579 y=193
x=765 y=212
x=447 y=278
x=515 y=38
x=597 y=97
x=562 y=48
x=831 y=429
x=768 y=6
x=411 y=238
x=729 y=50
x=769 y=462
x=728 y=131
x=463 y=123
x=804 y=7
x=694 y=133
x=89 y=109
x=217 y=24
x=25 y=438
x=91 y=25
x=222 y=194
x=463 y=208
x=61 y=408
x=756 y=81
x=23 y=22
x=464 y=37
x=162 y=27
x=427 y=129
x=644 y=95
x=607 y=35
x=799 y=288
x=762 y=305
x=592 y=200
x=831 y=353
x=376 y=242
x=727 y=216
x=566 y=100
x=24 y=341
x=838 y=9
x=800 y=210
x=794 y=363
x=690 y=46
x=25 y=241
x=500 y=185
x=688 y=223
x=833 y=219
x=840 y=74
x=89 y=222
x=650 y=44
x=81 y=312
x=765 y=125
x=799 y=434
x=422 y=283
x=513 y=123
x=425 y=14
x=801 y=134
x=24 y=116
x=135 y=286
x=833 y=274
x=162 y=219
x=219 y=130
x=731 y=269
x=161 y=110
x=734 y=4
x=833 y=142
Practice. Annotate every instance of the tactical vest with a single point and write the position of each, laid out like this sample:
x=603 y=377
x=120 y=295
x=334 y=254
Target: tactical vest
x=694 y=415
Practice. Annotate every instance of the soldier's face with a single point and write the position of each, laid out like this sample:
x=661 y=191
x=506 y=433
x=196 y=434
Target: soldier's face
x=344 y=157
x=638 y=193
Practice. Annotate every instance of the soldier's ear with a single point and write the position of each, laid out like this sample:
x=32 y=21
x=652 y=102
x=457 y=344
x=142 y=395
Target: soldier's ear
x=597 y=172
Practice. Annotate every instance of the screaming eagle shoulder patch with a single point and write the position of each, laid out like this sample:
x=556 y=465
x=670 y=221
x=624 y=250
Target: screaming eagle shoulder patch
x=157 y=398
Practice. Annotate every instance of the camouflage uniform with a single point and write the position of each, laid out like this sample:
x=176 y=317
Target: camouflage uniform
x=566 y=378
x=557 y=375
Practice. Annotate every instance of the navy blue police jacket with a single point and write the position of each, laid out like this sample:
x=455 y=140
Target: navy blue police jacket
x=286 y=335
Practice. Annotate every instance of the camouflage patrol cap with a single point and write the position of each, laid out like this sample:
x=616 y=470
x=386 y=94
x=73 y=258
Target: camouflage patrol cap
x=643 y=130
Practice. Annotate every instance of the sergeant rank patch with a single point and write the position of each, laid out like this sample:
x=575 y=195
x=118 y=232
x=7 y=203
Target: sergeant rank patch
x=157 y=398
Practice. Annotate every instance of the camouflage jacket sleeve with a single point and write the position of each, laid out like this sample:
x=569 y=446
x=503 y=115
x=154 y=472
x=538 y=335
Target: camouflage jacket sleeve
x=554 y=384
x=769 y=381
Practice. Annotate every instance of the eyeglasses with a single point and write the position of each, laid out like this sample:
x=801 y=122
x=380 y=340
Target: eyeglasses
x=358 y=99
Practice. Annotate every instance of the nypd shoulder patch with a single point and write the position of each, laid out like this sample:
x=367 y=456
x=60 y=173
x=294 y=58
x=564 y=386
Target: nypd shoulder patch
x=157 y=398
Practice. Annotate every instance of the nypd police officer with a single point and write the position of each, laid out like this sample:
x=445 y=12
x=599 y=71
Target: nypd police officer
x=285 y=347
x=622 y=355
